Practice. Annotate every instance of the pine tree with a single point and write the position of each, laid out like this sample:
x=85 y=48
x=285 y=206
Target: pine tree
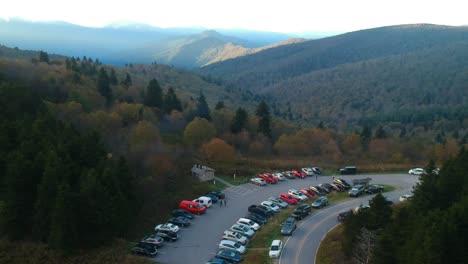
x=43 y=56
x=171 y=102
x=202 y=111
x=128 y=80
x=103 y=85
x=365 y=136
x=380 y=133
x=239 y=121
x=113 y=78
x=219 y=105
x=154 y=96
x=264 y=125
x=63 y=232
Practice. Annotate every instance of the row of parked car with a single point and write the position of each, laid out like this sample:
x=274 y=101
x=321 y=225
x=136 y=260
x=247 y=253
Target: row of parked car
x=181 y=218
x=272 y=178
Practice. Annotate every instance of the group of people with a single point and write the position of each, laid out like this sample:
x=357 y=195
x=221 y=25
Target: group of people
x=222 y=202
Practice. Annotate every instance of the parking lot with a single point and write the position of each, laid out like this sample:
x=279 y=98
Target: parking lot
x=200 y=241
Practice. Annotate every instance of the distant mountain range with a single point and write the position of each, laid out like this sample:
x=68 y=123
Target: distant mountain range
x=136 y=43
x=415 y=73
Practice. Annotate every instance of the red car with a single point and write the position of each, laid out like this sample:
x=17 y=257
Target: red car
x=286 y=197
x=308 y=193
x=299 y=174
x=268 y=178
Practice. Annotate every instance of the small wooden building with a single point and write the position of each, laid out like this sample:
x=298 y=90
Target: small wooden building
x=203 y=173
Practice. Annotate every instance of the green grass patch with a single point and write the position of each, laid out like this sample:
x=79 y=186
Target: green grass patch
x=331 y=250
x=388 y=188
x=235 y=181
x=336 y=197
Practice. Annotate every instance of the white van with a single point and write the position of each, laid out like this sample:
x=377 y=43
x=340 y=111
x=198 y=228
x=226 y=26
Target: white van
x=203 y=200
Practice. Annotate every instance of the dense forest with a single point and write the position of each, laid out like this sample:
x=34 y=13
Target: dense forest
x=430 y=228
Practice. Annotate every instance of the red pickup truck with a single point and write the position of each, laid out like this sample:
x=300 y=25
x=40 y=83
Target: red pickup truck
x=268 y=178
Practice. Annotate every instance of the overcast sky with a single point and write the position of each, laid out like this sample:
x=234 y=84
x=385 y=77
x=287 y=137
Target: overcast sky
x=269 y=15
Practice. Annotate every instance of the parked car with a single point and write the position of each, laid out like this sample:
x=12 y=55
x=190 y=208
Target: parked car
x=192 y=207
x=246 y=221
x=167 y=227
x=232 y=245
x=301 y=211
x=214 y=198
x=243 y=230
x=257 y=218
x=258 y=181
x=260 y=211
x=145 y=250
x=356 y=191
x=278 y=202
x=374 y=189
x=298 y=195
x=317 y=170
x=389 y=202
x=343 y=183
x=235 y=236
x=271 y=205
x=337 y=187
x=267 y=177
x=217 y=261
x=320 y=202
x=405 y=197
x=288 y=226
x=167 y=235
x=229 y=255
x=342 y=216
x=184 y=213
x=328 y=187
x=179 y=221
x=289 y=175
x=307 y=192
x=279 y=176
x=286 y=197
x=154 y=240
x=308 y=171
x=268 y=209
x=360 y=208
x=219 y=194
x=317 y=190
x=323 y=188
x=275 y=249
x=348 y=170
x=204 y=200
x=299 y=174
x=416 y=171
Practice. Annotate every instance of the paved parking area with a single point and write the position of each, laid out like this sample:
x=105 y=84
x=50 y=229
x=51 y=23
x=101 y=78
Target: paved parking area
x=200 y=241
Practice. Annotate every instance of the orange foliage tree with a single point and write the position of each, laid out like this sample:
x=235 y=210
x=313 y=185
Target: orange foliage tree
x=218 y=151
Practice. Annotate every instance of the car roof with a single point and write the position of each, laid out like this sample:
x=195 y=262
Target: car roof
x=276 y=242
x=225 y=241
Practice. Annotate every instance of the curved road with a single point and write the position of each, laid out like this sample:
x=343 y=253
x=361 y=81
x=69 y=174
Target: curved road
x=199 y=242
x=302 y=246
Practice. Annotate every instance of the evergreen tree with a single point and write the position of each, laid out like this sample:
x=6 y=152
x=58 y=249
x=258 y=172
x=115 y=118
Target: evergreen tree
x=264 y=125
x=171 y=102
x=380 y=133
x=128 y=80
x=202 y=111
x=113 y=78
x=63 y=233
x=43 y=56
x=67 y=64
x=320 y=125
x=103 y=85
x=154 y=96
x=239 y=121
x=366 y=135
x=219 y=105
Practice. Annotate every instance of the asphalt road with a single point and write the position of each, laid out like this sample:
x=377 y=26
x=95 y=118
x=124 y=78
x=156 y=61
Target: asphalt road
x=199 y=242
x=303 y=245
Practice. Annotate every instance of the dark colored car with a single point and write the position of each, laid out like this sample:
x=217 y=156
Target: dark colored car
x=214 y=198
x=180 y=221
x=320 y=202
x=168 y=235
x=317 y=170
x=229 y=255
x=356 y=191
x=288 y=226
x=343 y=183
x=183 y=213
x=260 y=210
x=219 y=194
x=374 y=189
x=289 y=175
x=327 y=186
x=301 y=211
x=144 y=249
x=317 y=190
x=257 y=218
x=342 y=216
x=348 y=170
x=217 y=261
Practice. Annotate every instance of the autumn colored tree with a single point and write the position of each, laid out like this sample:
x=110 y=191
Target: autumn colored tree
x=198 y=132
x=217 y=150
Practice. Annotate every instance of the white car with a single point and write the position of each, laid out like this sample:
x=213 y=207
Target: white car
x=278 y=202
x=405 y=197
x=153 y=240
x=167 y=227
x=235 y=236
x=204 y=200
x=275 y=249
x=279 y=176
x=271 y=205
x=298 y=195
x=248 y=222
x=232 y=245
x=258 y=181
x=244 y=230
x=308 y=171
x=416 y=171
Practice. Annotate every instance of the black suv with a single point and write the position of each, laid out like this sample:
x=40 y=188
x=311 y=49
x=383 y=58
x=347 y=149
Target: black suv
x=257 y=209
x=374 y=189
x=301 y=211
x=288 y=226
x=145 y=250
x=348 y=170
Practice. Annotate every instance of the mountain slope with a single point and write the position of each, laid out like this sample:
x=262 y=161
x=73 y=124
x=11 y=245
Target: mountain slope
x=273 y=65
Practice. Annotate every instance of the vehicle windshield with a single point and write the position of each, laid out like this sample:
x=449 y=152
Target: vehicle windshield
x=274 y=247
x=237 y=245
